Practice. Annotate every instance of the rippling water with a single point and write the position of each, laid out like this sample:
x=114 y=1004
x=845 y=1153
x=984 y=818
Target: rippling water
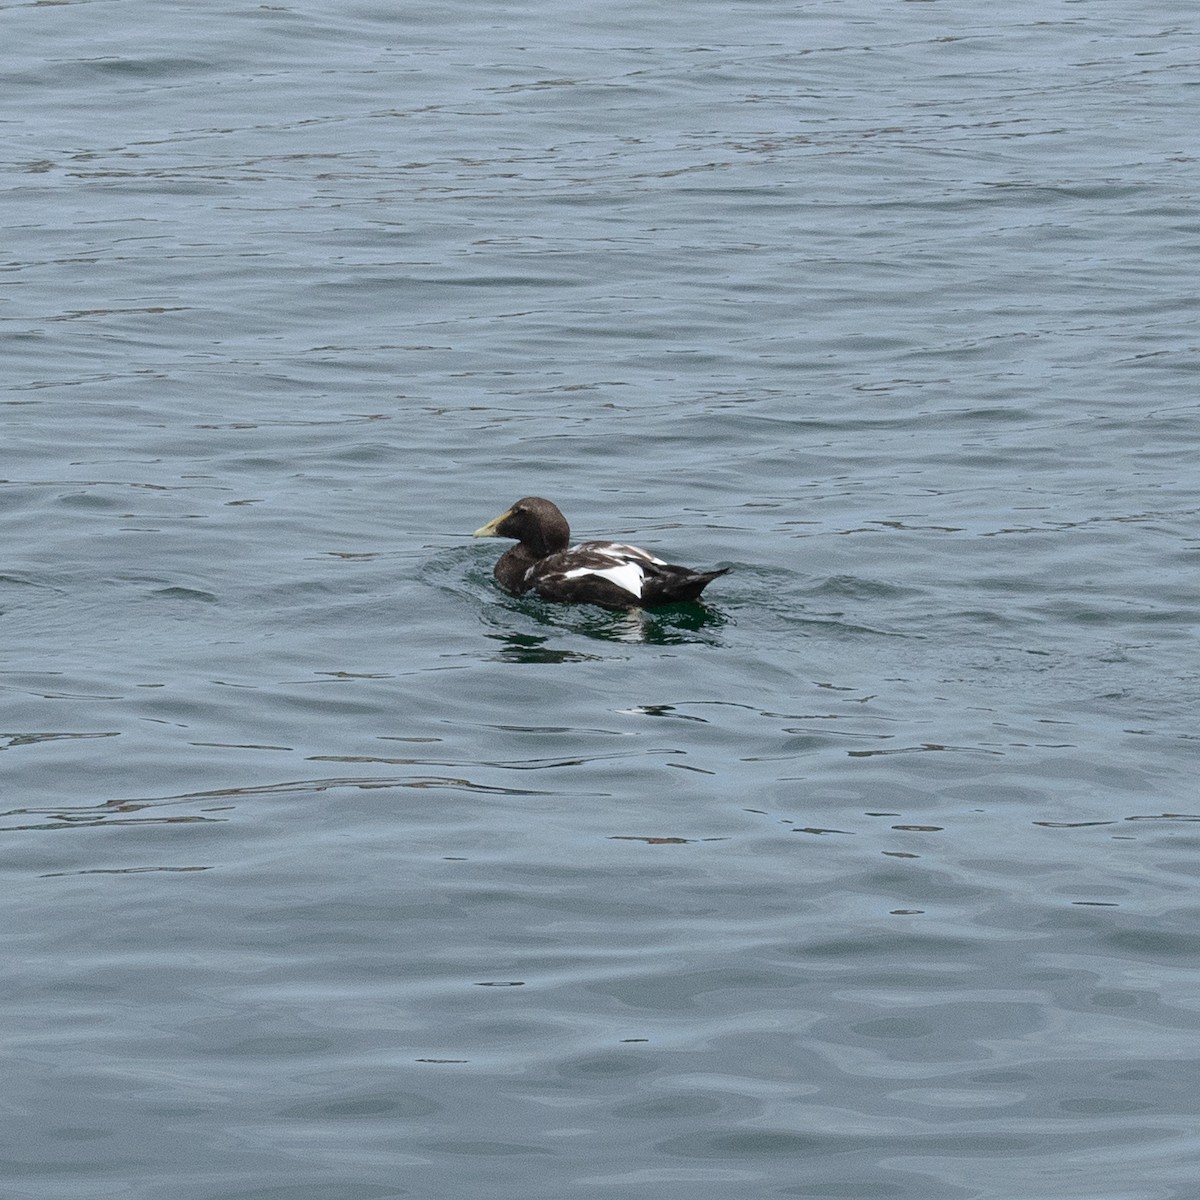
x=333 y=872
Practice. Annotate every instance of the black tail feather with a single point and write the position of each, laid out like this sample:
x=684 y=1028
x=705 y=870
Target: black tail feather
x=670 y=584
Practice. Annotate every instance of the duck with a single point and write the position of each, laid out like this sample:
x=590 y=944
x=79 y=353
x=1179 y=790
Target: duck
x=610 y=574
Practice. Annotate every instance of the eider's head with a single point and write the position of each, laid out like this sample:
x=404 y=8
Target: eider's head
x=535 y=523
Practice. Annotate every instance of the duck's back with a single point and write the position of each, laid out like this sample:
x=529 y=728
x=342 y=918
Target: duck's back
x=615 y=575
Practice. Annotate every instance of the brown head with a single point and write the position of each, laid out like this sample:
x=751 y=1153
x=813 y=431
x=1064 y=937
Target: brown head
x=535 y=523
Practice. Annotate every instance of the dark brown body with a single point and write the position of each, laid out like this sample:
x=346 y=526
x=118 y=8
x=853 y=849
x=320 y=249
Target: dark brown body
x=610 y=574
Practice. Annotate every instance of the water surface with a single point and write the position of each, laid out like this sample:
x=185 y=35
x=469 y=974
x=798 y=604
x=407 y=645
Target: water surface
x=332 y=871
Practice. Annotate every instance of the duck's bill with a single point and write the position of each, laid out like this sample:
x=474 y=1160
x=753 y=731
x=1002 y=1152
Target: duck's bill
x=489 y=530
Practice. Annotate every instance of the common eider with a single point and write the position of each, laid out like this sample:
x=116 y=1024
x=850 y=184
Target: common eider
x=610 y=574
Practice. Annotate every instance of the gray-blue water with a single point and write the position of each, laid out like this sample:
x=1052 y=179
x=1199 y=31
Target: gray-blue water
x=331 y=872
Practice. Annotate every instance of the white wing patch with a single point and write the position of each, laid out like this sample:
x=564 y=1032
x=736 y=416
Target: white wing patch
x=619 y=550
x=626 y=575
